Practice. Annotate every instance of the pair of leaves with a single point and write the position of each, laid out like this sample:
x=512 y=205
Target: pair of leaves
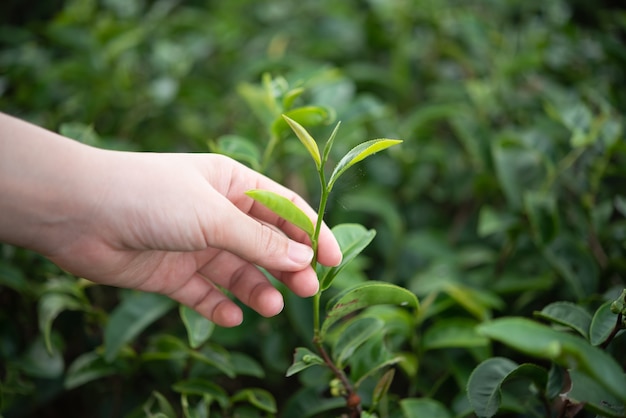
x=260 y=398
x=356 y=154
x=285 y=208
x=365 y=295
x=138 y=310
x=596 y=329
x=487 y=381
x=567 y=350
x=484 y=387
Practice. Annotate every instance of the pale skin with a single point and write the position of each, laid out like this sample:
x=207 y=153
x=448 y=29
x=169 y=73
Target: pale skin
x=176 y=224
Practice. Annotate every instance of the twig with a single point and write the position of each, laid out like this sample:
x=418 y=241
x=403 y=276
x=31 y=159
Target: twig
x=353 y=401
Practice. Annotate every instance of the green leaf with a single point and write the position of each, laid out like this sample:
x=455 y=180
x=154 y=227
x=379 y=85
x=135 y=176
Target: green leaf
x=306 y=139
x=568 y=314
x=284 y=208
x=329 y=144
x=352 y=239
x=14 y=278
x=518 y=168
x=80 y=132
x=602 y=324
x=382 y=387
x=201 y=387
x=245 y=365
x=303 y=116
x=86 y=368
x=198 y=328
x=453 y=332
x=423 y=407
x=595 y=397
x=543 y=216
x=565 y=349
x=260 y=398
x=216 y=356
x=491 y=221
x=165 y=408
x=237 y=147
x=484 y=387
x=353 y=336
x=359 y=153
x=49 y=307
x=572 y=259
x=478 y=302
x=38 y=362
x=131 y=317
x=303 y=359
x=291 y=96
x=263 y=105
x=364 y=295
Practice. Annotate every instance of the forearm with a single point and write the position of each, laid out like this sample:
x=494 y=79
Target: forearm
x=39 y=175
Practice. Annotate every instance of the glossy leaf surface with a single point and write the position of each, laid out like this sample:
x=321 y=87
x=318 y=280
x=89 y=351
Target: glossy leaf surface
x=484 y=387
x=359 y=153
x=602 y=324
x=364 y=295
x=303 y=359
x=568 y=314
x=86 y=368
x=131 y=317
x=352 y=239
x=353 y=336
x=198 y=328
x=260 y=398
x=565 y=349
x=284 y=208
x=306 y=139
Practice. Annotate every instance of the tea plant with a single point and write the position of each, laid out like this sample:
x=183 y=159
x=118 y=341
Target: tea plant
x=356 y=330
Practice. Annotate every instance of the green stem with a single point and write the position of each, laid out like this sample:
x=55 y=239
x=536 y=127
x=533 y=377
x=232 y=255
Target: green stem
x=320 y=216
x=269 y=150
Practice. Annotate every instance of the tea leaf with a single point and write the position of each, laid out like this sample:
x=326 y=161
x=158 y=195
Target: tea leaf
x=303 y=359
x=198 y=328
x=86 y=368
x=423 y=407
x=453 y=332
x=284 y=208
x=306 y=139
x=260 y=398
x=364 y=295
x=586 y=390
x=383 y=385
x=568 y=314
x=353 y=336
x=359 y=153
x=565 y=349
x=130 y=318
x=602 y=324
x=329 y=144
x=485 y=382
x=49 y=307
x=352 y=239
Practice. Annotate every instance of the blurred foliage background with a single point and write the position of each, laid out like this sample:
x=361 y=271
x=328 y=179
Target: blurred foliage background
x=507 y=194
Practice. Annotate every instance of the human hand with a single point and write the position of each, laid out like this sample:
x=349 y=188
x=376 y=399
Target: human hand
x=176 y=224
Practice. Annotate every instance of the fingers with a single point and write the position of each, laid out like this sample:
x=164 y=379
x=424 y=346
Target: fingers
x=265 y=246
x=202 y=291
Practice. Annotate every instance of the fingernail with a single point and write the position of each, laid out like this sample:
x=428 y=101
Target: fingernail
x=299 y=253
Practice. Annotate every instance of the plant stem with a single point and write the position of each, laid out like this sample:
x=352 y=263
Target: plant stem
x=320 y=216
x=269 y=150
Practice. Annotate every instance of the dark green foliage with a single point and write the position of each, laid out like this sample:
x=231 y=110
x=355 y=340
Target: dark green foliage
x=506 y=199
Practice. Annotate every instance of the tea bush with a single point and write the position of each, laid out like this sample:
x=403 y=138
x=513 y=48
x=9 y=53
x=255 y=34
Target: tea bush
x=503 y=211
